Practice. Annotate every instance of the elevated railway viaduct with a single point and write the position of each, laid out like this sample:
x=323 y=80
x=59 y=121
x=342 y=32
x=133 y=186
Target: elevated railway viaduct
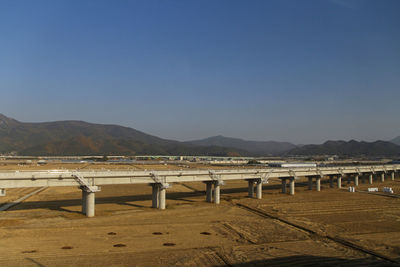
x=90 y=180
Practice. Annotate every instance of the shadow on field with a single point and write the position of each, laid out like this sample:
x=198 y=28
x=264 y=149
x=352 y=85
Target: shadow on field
x=121 y=200
x=308 y=260
x=127 y=200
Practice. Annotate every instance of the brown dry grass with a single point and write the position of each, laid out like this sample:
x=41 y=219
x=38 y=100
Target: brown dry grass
x=39 y=231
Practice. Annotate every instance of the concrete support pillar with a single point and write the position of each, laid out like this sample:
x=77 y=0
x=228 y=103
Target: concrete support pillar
x=216 y=192
x=318 y=182
x=392 y=175
x=251 y=188
x=155 y=195
x=283 y=185
x=84 y=196
x=356 y=180
x=209 y=191
x=90 y=203
x=382 y=177
x=259 y=189
x=331 y=181
x=292 y=185
x=339 y=181
x=310 y=182
x=371 y=178
x=162 y=198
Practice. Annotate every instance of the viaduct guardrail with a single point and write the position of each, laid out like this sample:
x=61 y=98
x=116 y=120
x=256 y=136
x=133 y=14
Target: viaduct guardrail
x=89 y=180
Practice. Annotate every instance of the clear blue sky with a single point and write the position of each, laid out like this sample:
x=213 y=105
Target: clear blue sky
x=299 y=71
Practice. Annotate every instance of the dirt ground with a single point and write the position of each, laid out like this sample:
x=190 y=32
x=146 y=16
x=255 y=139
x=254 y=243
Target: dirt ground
x=332 y=227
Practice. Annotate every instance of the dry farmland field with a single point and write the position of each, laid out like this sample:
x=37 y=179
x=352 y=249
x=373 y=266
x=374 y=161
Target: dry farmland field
x=332 y=227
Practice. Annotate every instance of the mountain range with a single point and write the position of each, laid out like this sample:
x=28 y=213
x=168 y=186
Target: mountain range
x=396 y=140
x=350 y=148
x=83 y=138
x=260 y=148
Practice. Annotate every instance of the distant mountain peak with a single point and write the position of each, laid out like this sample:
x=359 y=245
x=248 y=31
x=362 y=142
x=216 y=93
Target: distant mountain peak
x=6 y=122
x=219 y=137
x=349 y=148
x=74 y=137
x=396 y=140
x=261 y=148
x=3 y=117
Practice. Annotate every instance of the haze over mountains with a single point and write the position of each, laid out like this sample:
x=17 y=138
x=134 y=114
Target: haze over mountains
x=82 y=138
x=343 y=148
x=350 y=148
x=396 y=140
x=255 y=147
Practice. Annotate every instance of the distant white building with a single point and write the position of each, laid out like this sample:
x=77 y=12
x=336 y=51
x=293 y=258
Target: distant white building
x=293 y=165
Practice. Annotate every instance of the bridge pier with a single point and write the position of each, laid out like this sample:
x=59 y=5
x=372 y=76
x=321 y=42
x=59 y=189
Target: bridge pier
x=259 y=189
x=158 y=195
x=392 y=175
x=339 y=181
x=356 y=180
x=291 y=181
x=216 y=192
x=318 y=182
x=331 y=181
x=251 y=188
x=258 y=183
x=310 y=183
x=90 y=204
x=84 y=194
x=155 y=195
x=382 y=177
x=209 y=191
x=283 y=185
x=371 y=178
x=162 y=199
x=2 y=192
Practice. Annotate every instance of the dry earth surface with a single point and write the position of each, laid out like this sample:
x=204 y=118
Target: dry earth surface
x=332 y=227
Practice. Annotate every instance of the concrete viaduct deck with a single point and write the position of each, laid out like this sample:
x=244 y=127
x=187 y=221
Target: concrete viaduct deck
x=89 y=181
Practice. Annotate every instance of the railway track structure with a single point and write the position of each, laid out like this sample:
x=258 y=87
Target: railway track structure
x=89 y=181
